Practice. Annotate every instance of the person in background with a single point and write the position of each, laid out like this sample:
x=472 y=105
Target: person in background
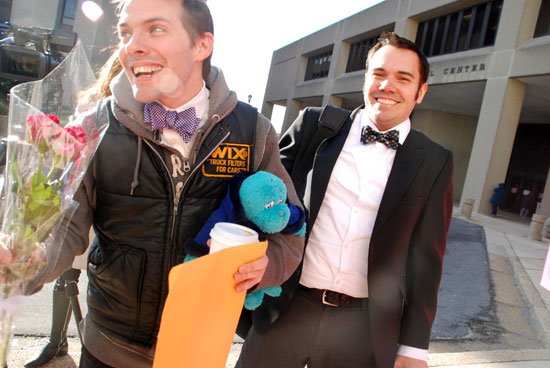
x=526 y=203
x=57 y=345
x=379 y=200
x=176 y=136
x=496 y=198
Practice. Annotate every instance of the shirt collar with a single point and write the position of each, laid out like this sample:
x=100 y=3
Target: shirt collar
x=199 y=102
x=403 y=128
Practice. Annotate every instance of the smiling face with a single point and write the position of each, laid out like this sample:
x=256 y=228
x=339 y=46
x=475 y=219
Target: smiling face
x=159 y=57
x=392 y=86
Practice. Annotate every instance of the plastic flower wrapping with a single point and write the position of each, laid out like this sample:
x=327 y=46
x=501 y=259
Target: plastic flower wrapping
x=49 y=147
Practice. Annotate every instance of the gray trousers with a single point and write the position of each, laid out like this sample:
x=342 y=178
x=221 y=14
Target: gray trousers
x=311 y=333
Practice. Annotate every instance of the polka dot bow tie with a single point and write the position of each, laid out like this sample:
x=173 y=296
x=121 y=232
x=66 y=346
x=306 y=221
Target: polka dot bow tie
x=390 y=139
x=185 y=122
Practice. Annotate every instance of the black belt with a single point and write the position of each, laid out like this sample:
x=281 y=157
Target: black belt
x=334 y=299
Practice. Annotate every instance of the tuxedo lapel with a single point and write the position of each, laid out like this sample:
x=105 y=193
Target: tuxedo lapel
x=407 y=161
x=325 y=159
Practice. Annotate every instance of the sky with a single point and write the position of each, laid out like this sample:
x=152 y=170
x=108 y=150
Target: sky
x=246 y=32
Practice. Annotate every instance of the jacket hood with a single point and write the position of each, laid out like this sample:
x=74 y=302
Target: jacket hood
x=129 y=111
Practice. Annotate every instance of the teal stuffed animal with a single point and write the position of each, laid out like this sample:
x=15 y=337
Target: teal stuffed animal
x=259 y=201
x=264 y=201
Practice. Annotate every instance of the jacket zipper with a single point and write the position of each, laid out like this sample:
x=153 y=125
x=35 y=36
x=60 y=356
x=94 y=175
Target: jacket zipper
x=176 y=195
x=190 y=173
x=204 y=159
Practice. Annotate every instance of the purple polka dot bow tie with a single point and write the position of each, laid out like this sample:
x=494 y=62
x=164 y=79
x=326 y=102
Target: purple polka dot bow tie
x=390 y=139
x=185 y=122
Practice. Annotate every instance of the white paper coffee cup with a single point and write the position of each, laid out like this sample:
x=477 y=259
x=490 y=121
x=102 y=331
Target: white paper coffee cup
x=226 y=234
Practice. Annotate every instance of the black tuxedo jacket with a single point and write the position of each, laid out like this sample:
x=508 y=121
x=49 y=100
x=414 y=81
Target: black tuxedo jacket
x=409 y=235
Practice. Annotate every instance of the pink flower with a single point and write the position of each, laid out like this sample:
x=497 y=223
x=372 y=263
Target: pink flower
x=53 y=117
x=43 y=128
x=77 y=132
x=40 y=124
x=47 y=134
x=69 y=143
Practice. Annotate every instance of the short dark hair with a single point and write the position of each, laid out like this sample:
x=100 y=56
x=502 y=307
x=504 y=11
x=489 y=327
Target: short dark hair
x=197 y=20
x=392 y=39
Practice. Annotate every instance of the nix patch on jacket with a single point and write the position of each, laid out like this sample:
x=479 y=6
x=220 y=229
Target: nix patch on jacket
x=227 y=160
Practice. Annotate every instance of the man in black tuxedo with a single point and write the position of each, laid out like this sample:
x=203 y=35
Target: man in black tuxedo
x=379 y=200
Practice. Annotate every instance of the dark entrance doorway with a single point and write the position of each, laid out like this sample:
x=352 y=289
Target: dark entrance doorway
x=528 y=168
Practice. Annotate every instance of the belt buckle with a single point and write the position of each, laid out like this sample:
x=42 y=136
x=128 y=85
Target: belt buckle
x=325 y=301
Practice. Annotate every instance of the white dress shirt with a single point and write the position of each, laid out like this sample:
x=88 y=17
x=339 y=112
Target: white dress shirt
x=172 y=138
x=336 y=256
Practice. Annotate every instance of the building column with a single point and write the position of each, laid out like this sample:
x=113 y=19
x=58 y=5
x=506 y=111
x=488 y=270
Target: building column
x=338 y=64
x=494 y=140
x=267 y=110
x=3 y=126
x=332 y=100
x=292 y=110
x=406 y=27
x=544 y=209
x=520 y=17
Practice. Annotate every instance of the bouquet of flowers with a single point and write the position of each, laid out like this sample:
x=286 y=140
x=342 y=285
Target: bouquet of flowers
x=49 y=148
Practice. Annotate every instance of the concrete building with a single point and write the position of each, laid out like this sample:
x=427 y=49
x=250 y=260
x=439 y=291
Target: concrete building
x=489 y=87
x=96 y=37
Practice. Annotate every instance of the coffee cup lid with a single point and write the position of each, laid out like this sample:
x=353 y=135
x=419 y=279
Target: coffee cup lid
x=233 y=234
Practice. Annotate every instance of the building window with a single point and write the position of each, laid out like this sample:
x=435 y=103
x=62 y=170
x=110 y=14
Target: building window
x=543 y=23
x=67 y=14
x=318 y=65
x=358 y=54
x=466 y=29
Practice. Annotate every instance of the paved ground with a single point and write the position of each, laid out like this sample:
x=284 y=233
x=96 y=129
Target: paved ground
x=504 y=318
x=519 y=336
x=466 y=276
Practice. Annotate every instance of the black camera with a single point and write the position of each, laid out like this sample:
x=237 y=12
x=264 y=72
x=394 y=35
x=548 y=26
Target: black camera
x=29 y=53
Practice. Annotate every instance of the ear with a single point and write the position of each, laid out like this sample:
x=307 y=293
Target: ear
x=204 y=44
x=421 y=92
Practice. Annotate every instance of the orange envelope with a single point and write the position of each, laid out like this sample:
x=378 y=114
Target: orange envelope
x=202 y=309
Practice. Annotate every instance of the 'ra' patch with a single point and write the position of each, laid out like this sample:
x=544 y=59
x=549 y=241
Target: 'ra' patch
x=227 y=160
